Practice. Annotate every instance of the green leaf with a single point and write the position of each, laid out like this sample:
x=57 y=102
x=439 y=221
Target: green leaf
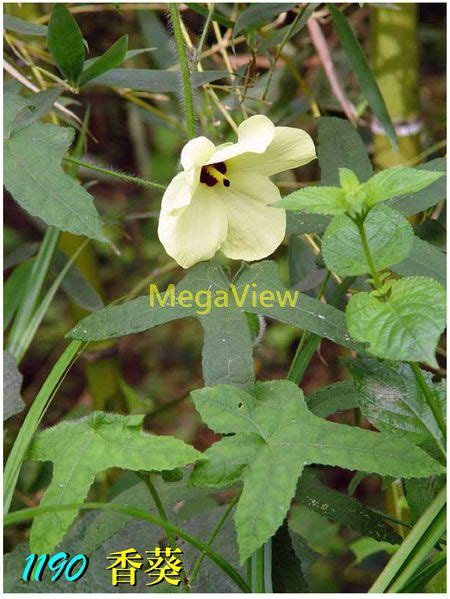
x=202 y=10
x=98 y=442
x=301 y=223
x=289 y=437
x=156 y=81
x=340 y=146
x=426 y=198
x=389 y=235
x=367 y=546
x=331 y=399
x=40 y=104
x=420 y=492
x=65 y=42
x=34 y=177
x=318 y=200
x=418 y=583
x=13 y=107
x=21 y=253
x=13 y=291
x=362 y=71
x=227 y=355
x=424 y=260
x=318 y=533
x=228 y=348
x=76 y=285
x=259 y=14
x=390 y=398
x=287 y=574
x=404 y=325
x=113 y=57
x=305 y=313
x=12 y=382
x=341 y=508
x=11 y=23
x=396 y=181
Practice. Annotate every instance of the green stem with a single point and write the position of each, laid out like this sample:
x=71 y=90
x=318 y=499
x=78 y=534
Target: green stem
x=430 y=397
x=34 y=418
x=111 y=173
x=201 y=43
x=368 y=255
x=159 y=505
x=280 y=50
x=414 y=549
x=186 y=76
x=30 y=513
x=303 y=355
x=39 y=314
x=215 y=532
x=31 y=293
x=258 y=567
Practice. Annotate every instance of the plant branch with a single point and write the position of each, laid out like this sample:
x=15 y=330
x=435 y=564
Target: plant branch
x=193 y=575
x=365 y=245
x=111 y=173
x=185 y=73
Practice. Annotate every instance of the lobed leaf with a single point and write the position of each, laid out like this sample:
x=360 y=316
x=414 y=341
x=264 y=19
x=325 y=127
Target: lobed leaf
x=307 y=313
x=289 y=437
x=97 y=442
x=228 y=347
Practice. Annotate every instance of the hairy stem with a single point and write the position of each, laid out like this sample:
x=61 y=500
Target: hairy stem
x=368 y=255
x=185 y=73
x=111 y=173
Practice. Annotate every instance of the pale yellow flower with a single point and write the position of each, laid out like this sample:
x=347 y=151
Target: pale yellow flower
x=222 y=198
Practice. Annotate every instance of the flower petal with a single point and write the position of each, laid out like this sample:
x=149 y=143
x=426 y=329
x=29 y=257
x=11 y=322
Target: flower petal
x=194 y=233
x=197 y=152
x=255 y=230
x=290 y=148
x=178 y=194
x=254 y=135
x=252 y=185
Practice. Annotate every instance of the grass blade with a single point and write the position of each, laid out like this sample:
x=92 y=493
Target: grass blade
x=34 y=418
x=363 y=73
